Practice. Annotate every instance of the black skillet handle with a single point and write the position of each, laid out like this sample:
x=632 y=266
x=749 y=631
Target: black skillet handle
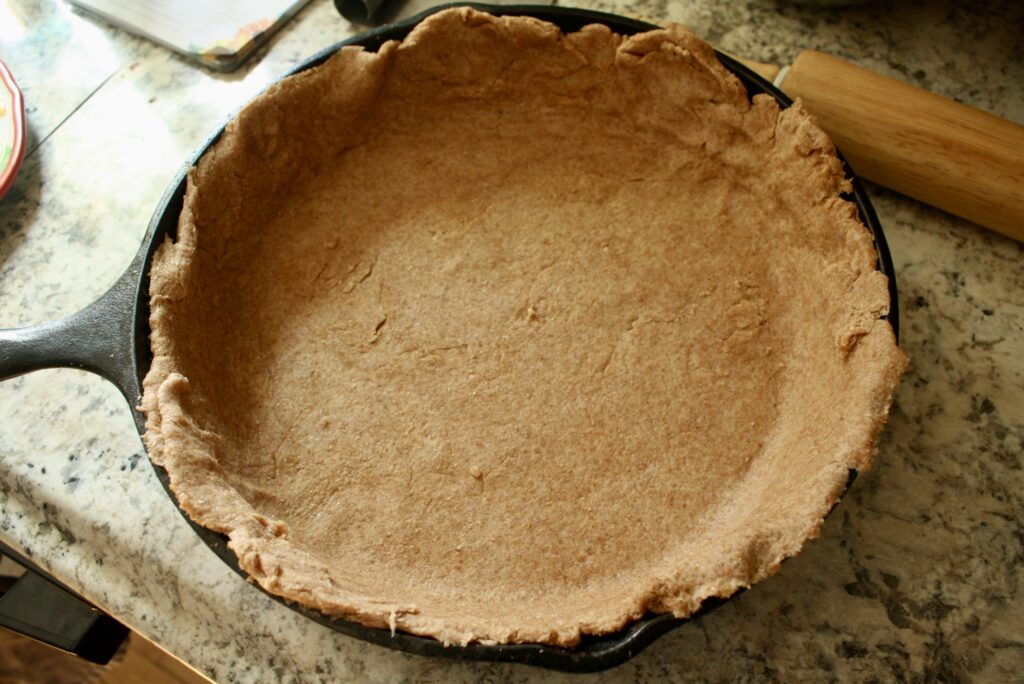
x=99 y=338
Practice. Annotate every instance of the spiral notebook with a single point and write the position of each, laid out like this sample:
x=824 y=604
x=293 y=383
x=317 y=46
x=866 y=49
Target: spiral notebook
x=219 y=34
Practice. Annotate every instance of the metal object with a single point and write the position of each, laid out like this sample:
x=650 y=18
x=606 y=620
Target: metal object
x=45 y=610
x=111 y=338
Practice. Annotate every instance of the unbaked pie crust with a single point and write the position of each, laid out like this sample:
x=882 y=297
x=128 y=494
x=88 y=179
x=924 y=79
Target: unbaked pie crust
x=506 y=335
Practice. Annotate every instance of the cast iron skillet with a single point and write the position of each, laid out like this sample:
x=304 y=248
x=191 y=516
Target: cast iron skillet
x=111 y=337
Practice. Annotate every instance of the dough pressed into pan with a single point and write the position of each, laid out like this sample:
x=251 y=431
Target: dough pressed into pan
x=510 y=335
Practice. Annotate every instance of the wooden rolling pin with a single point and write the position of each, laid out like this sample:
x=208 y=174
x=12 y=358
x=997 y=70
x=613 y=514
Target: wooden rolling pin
x=952 y=156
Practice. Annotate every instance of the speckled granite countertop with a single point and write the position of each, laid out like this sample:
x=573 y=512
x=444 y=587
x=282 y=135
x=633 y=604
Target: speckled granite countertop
x=917 y=575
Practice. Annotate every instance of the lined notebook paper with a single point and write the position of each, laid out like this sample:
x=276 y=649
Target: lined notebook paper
x=218 y=34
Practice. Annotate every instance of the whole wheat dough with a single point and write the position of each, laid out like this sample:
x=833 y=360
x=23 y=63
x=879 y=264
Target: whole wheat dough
x=507 y=335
